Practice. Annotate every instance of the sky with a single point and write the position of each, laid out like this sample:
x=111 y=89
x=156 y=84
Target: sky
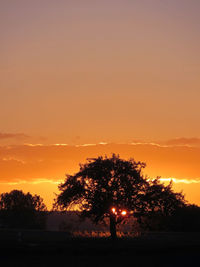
x=121 y=75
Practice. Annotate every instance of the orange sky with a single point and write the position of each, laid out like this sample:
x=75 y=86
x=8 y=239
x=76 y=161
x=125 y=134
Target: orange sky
x=40 y=168
x=85 y=72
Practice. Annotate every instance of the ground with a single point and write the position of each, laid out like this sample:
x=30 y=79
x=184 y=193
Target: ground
x=39 y=248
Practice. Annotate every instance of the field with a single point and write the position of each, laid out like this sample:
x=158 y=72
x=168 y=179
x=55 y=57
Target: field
x=45 y=248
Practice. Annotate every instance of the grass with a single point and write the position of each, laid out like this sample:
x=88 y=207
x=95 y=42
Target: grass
x=101 y=234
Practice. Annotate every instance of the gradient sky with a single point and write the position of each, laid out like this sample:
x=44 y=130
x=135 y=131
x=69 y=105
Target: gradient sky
x=84 y=72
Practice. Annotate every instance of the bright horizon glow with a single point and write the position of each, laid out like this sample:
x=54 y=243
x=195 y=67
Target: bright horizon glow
x=39 y=187
x=162 y=179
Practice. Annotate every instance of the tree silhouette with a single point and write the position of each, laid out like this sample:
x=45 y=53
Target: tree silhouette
x=20 y=210
x=116 y=189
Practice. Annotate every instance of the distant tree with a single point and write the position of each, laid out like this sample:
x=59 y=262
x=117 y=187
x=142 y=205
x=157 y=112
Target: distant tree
x=186 y=219
x=116 y=189
x=20 y=210
x=183 y=219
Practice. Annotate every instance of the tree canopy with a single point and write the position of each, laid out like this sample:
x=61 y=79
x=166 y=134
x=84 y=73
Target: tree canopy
x=18 y=209
x=115 y=188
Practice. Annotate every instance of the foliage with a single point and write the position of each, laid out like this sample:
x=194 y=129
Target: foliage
x=104 y=183
x=162 y=199
x=20 y=210
x=183 y=219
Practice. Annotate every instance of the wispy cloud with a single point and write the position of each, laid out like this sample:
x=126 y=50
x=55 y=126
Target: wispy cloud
x=30 y=161
x=60 y=144
x=13 y=135
x=32 y=145
x=85 y=145
x=149 y=143
x=183 y=181
x=182 y=141
x=34 y=182
x=8 y=159
x=56 y=182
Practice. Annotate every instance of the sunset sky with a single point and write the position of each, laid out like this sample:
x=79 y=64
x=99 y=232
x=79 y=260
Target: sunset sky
x=80 y=79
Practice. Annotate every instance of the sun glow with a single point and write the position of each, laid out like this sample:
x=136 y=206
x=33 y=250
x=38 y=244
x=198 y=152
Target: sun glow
x=114 y=211
x=124 y=213
x=121 y=212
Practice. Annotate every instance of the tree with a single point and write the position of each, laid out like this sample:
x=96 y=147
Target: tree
x=20 y=210
x=186 y=219
x=114 y=188
x=161 y=205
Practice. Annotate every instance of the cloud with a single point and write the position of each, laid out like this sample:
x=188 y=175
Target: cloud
x=181 y=181
x=33 y=182
x=45 y=180
x=13 y=135
x=11 y=159
x=184 y=142
x=181 y=141
x=33 y=145
x=28 y=162
x=149 y=144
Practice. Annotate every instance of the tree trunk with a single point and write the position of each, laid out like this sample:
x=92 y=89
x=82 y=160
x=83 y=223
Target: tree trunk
x=113 y=227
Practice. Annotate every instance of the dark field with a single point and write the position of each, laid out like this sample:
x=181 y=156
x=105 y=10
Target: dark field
x=43 y=248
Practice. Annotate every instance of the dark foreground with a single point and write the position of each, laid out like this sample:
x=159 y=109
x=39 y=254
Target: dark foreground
x=57 y=249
